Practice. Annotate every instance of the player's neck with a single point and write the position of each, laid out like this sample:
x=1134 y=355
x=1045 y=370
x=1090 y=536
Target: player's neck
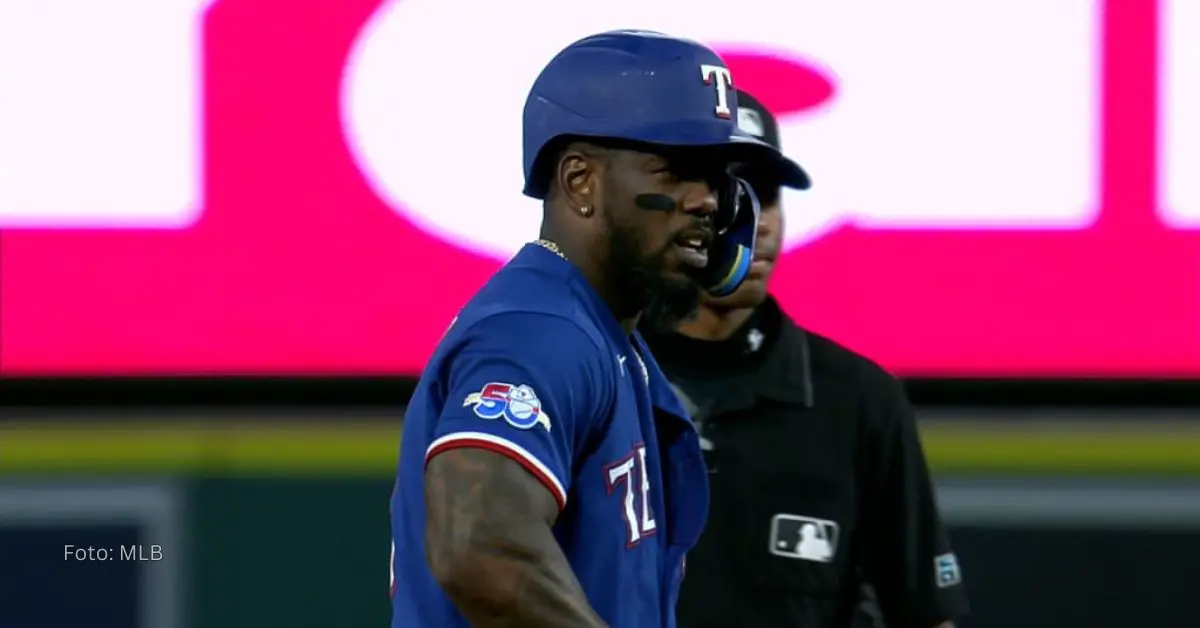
x=714 y=324
x=627 y=314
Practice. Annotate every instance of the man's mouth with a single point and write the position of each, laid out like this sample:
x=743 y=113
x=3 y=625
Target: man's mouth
x=761 y=265
x=693 y=247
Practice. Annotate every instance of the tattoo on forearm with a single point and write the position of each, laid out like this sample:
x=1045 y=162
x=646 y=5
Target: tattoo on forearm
x=488 y=539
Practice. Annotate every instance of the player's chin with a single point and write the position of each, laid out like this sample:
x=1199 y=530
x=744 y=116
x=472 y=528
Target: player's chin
x=682 y=286
x=680 y=277
x=677 y=299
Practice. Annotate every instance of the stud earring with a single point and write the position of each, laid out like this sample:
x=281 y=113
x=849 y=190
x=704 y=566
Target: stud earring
x=585 y=210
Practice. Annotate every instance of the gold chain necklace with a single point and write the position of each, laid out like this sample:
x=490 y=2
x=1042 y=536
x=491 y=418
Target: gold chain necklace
x=550 y=246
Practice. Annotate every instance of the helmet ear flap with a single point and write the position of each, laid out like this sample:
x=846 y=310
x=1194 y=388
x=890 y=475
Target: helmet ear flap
x=747 y=198
x=729 y=196
x=732 y=252
x=538 y=182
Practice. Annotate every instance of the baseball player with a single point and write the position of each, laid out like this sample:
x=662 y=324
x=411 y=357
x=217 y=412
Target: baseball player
x=548 y=475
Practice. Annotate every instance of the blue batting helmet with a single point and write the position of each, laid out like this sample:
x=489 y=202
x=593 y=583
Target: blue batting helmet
x=638 y=86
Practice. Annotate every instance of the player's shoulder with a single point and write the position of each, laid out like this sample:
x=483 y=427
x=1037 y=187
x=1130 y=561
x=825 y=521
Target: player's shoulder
x=529 y=309
x=879 y=395
x=860 y=375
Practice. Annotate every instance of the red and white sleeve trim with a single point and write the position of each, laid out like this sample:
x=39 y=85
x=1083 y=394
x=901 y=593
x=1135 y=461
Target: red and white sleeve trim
x=518 y=454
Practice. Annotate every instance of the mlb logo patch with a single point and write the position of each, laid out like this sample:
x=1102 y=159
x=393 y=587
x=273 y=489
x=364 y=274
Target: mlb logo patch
x=946 y=567
x=804 y=538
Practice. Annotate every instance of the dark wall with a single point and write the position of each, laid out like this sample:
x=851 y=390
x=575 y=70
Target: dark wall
x=290 y=553
x=55 y=394
x=1080 y=578
x=312 y=553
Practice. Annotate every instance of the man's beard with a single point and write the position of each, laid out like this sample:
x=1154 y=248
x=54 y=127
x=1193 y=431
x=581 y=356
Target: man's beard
x=665 y=301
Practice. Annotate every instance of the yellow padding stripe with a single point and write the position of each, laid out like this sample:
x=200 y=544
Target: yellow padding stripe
x=1171 y=450
x=267 y=447
x=370 y=447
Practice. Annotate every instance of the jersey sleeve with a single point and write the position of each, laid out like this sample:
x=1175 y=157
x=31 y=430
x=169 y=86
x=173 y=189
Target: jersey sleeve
x=527 y=386
x=910 y=564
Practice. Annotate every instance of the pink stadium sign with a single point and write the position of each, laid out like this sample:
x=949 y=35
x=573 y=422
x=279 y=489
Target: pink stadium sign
x=270 y=186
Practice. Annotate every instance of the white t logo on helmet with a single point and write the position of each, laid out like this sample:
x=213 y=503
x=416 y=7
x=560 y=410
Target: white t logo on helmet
x=719 y=76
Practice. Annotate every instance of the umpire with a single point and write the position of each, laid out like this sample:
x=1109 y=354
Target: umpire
x=822 y=512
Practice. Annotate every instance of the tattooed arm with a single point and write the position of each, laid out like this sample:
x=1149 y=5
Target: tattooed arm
x=495 y=482
x=490 y=546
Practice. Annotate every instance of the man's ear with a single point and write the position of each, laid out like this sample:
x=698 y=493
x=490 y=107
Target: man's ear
x=579 y=179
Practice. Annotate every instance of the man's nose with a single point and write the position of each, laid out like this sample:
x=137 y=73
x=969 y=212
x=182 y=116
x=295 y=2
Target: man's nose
x=701 y=199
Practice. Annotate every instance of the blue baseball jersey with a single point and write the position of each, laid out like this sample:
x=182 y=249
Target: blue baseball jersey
x=536 y=368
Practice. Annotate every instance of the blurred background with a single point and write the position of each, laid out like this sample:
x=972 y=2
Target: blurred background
x=231 y=232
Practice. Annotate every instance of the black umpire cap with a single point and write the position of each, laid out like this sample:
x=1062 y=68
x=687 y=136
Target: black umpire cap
x=753 y=118
x=756 y=120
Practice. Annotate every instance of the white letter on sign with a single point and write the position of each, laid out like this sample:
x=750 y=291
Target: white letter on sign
x=100 y=113
x=1179 y=138
x=945 y=114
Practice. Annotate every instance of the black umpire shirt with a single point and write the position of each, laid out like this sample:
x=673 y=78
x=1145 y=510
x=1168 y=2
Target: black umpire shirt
x=818 y=482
